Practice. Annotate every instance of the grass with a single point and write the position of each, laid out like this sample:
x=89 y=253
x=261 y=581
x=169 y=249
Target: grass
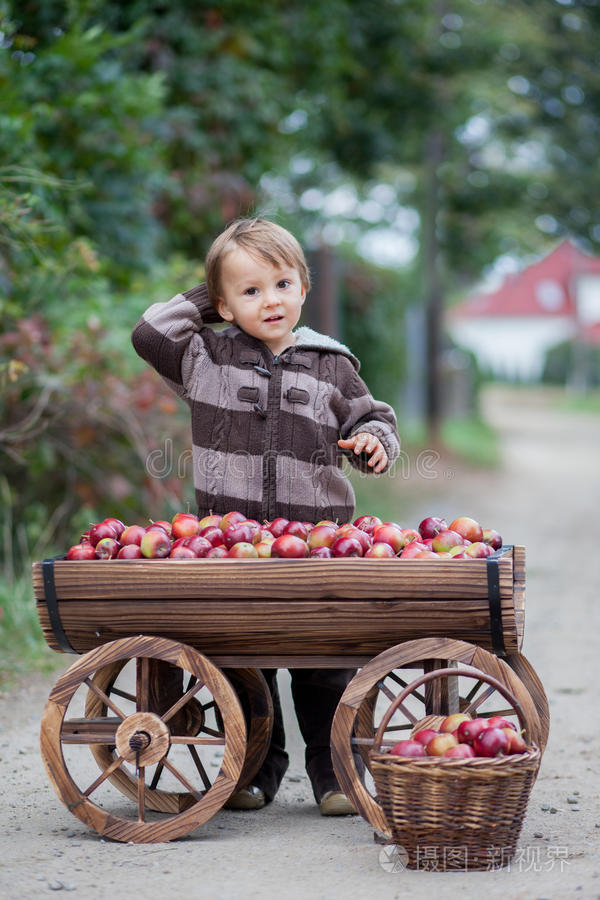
x=22 y=646
x=471 y=440
x=588 y=402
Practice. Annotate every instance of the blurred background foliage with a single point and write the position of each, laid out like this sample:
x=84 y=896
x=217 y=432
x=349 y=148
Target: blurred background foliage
x=424 y=141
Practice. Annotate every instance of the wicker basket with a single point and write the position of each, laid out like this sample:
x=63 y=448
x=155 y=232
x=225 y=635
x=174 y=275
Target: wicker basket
x=454 y=814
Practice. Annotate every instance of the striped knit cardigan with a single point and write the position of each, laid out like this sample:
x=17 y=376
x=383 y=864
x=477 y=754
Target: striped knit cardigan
x=264 y=427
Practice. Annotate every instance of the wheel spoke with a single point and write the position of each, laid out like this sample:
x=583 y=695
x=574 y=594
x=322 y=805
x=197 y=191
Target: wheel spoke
x=391 y=696
x=198 y=763
x=181 y=777
x=191 y=682
x=182 y=701
x=474 y=704
x=105 y=699
x=157 y=773
x=212 y=731
x=142 y=684
x=188 y=739
x=141 y=776
x=400 y=681
x=124 y=694
x=106 y=774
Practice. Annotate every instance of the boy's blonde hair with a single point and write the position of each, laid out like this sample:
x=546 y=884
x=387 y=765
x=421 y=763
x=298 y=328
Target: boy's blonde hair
x=258 y=237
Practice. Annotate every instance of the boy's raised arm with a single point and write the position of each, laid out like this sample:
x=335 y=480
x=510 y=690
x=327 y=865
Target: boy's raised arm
x=360 y=413
x=164 y=333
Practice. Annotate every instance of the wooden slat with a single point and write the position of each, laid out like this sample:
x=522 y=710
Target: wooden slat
x=217 y=579
x=363 y=628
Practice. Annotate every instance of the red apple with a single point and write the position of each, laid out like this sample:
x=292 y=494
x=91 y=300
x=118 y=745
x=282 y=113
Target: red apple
x=350 y=531
x=452 y=722
x=219 y=552
x=82 y=551
x=297 y=528
x=492 y=537
x=425 y=735
x=162 y=523
x=445 y=540
x=321 y=536
x=500 y=722
x=198 y=545
x=155 y=544
x=331 y=524
x=101 y=530
x=243 y=550
x=346 y=547
x=118 y=526
x=211 y=520
x=107 y=548
x=408 y=748
x=458 y=551
x=440 y=743
x=389 y=534
x=184 y=525
x=130 y=551
x=410 y=534
x=288 y=546
x=468 y=730
x=277 y=526
x=263 y=548
x=467 y=528
x=182 y=552
x=431 y=526
x=478 y=550
x=491 y=742
x=263 y=534
x=231 y=518
x=516 y=741
x=411 y=550
x=461 y=751
x=85 y=537
x=321 y=553
x=132 y=535
x=379 y=550
x=367 y=523
x=213 y=535
x=236 y=533
x=425 y=554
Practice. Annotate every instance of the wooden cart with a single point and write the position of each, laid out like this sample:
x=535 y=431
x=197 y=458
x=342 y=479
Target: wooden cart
x=167 y=699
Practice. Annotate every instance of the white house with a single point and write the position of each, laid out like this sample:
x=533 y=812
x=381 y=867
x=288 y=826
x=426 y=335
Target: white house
x=510 y=330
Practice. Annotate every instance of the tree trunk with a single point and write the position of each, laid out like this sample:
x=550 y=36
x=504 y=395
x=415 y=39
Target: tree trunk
x=433 y=287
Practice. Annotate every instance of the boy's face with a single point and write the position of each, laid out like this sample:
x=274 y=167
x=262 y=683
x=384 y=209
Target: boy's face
x=262 y=299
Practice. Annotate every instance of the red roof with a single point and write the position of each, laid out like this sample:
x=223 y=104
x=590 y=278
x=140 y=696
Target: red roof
x=545 y=288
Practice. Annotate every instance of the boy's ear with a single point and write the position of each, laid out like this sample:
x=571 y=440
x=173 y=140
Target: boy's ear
x=224 y=310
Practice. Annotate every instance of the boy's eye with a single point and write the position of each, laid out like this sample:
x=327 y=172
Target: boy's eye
x=251 y=291
x=283 y=283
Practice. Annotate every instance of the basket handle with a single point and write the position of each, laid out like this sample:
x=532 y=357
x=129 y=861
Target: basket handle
x=470 y=672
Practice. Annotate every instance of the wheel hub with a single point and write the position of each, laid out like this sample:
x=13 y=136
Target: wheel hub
x=143 y=739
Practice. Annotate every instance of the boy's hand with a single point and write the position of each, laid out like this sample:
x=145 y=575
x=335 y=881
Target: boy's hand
x=367 y=443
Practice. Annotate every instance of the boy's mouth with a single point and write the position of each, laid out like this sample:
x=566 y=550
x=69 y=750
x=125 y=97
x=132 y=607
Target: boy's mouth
x=274 y=319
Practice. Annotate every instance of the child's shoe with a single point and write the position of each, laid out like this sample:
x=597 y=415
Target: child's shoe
x=334 y=803
x=250 y=797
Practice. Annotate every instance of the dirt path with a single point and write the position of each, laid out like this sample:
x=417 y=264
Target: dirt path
x=546 y=497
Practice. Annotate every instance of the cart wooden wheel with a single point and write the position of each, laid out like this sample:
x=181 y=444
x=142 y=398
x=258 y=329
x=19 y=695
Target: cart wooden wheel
x=143 y=742
x=165 y=687
x=358 y=712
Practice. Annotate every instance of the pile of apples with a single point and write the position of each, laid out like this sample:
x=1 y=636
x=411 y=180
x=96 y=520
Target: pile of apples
x=233 y=536
x=461 y=737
